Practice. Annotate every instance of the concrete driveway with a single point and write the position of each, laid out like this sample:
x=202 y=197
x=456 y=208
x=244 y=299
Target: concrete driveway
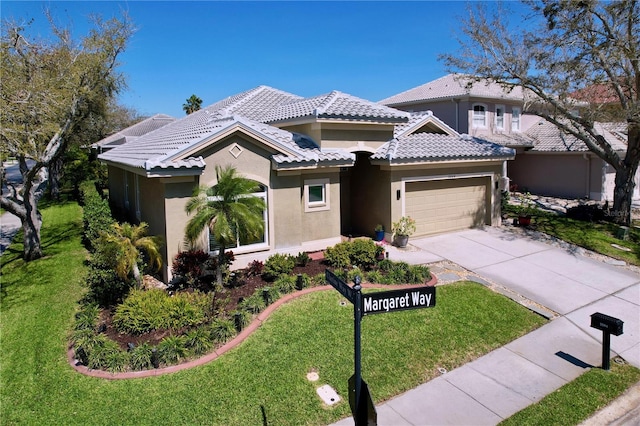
x=568 y=283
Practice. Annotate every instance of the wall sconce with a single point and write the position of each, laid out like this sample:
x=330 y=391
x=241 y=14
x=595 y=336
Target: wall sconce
x=398 y=194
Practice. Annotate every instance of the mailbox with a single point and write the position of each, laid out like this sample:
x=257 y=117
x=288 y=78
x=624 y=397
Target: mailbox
x=607 y=323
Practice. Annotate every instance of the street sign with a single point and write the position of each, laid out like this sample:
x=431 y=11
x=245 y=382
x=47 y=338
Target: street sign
x=341 y=286
x=398 y=300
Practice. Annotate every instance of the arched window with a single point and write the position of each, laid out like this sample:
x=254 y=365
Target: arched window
x=479 y=115
x=248 y=245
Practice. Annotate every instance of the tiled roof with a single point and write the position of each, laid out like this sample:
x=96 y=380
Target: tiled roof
x=335 y=105
x=453 y=86
x=510 y=139
x=142 y=128
x=429 y=147
x=253 y=104
x=418 y=120
x=548 y=138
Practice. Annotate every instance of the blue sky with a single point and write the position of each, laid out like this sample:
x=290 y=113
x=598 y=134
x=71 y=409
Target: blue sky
x=215 y=49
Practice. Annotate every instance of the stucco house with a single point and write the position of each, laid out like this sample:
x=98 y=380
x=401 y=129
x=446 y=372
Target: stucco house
x=547 y=161
x=327 y=166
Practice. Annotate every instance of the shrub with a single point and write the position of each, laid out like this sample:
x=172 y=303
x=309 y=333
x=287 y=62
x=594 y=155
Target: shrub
x=198 y=341
x=241 y=319
x=192 y=266
x=87 y=317
x=269 y=294
x=398 y=273
x=285 y=284
x=319 y=279
x=341 y=273
x=105 y=287
x=141 y=357
x=418 y=274
x=96 y=215
x=385 y=265
x=374 y=277
x=172 y=349
x=253 y=304
x=87 y=339
x=302 y=281
x=108 y=356
x=255 y=268
x=277 y=265
x=303 y=259
x=362 y=253
x=338 y=256
x=221 y=329
x=145 y=311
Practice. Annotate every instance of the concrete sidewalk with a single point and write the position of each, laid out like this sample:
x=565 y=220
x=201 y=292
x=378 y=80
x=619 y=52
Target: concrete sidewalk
x=501 y=383
x=9 y=226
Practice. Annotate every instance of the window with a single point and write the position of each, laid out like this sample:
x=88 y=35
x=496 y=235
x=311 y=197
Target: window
x=515 y=119
x=246 y=244
x=316 y=195
x=479 y=116
x=500 y=117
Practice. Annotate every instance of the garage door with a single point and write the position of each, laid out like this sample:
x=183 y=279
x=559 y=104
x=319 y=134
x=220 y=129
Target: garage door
x=447 y=205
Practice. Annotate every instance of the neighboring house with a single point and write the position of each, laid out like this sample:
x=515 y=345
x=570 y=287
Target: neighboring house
x=327 y=166
x=547 y=162
x=132 y=132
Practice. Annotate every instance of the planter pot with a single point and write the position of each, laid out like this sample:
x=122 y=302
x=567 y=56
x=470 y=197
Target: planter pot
x=524 y=220
x=379 y=235
x=402 y=240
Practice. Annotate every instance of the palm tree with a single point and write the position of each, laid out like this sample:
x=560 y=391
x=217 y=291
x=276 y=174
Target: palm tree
x=127 y=242
x=228 y=210
x=193 y=104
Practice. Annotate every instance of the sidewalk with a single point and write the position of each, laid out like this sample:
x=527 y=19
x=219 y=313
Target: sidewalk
x=568 y=286
x=9 y=226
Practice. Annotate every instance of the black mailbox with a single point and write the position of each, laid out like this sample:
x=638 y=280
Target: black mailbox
x=607 y=323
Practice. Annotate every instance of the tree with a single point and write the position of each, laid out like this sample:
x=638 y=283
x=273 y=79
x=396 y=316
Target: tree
x=569 y=48
x=127 y=242
x=193 y=104
x=228 y=210
x=48 y=88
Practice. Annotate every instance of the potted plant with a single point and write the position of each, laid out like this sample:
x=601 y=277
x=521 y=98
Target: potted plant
x=526 y=209
x=402 y=229
x=379 y=230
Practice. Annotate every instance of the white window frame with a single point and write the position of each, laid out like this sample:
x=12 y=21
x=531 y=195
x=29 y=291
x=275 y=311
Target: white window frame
x=516 y=119
x=238 y=248
x=324 y=203
x=499 y=118
x=474 y=116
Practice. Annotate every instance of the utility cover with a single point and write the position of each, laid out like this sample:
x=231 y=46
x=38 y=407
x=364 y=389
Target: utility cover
x=328 y=395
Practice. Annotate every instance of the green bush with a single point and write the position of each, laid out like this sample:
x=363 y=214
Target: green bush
x=277 y=265
x=418 y=274
x=253 y=304
x=319 y=279
x=145 y=311
x=172 y=349
x=141 y=357
x=285 y=284
x=362 y=253
x=398 y=273
x=198 y=341
x=353 y=273
x=385 y=265
x=87 y=317
x=338 y=256
x=87 y=339
x=269 y=294
x=374 y=276
x=222 y=329
x=241 y=319
x=302 y=281
x=109 y=357
x=303 y=259
x=96 y=216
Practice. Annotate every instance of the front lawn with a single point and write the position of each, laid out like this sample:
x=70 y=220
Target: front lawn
x=263 y=381
x=595 y=236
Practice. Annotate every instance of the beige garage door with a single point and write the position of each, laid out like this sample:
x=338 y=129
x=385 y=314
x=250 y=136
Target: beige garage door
x=447 y=205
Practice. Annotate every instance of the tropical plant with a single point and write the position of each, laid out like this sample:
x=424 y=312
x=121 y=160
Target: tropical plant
x=228 y=210
x=128 y=241
x=277 y=265
x=192 y=105
x=404 y=227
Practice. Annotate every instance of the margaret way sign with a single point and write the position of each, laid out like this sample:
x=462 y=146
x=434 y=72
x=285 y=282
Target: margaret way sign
x=398 y=300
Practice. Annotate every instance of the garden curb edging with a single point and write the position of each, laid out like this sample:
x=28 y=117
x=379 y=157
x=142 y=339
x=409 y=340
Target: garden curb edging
x=246 y=332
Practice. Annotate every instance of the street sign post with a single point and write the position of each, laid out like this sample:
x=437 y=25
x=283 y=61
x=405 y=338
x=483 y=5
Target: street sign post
x=362 y=408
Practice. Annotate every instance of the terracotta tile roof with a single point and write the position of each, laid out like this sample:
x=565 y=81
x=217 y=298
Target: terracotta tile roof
x=429 y=147
x=453 y=86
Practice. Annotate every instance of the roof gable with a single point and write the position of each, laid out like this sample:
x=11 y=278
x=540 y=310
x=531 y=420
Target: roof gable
x=423 y=122
x=454 y=86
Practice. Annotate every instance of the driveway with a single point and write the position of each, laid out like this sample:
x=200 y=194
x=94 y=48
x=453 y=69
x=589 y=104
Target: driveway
x=568 y=283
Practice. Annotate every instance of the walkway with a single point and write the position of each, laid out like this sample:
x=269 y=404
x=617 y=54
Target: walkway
x=568 y=286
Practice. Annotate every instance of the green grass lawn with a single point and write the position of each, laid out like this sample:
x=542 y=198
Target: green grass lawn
x=597 y=237
x=578 y=400
x=261 y=380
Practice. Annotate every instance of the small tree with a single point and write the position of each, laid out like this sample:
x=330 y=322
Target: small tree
x=127 y=242
x=228 y=210
x=193 y=104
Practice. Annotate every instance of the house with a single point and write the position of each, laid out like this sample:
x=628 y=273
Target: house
x=327 y=166
x=547 y=161
x=132 y=132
